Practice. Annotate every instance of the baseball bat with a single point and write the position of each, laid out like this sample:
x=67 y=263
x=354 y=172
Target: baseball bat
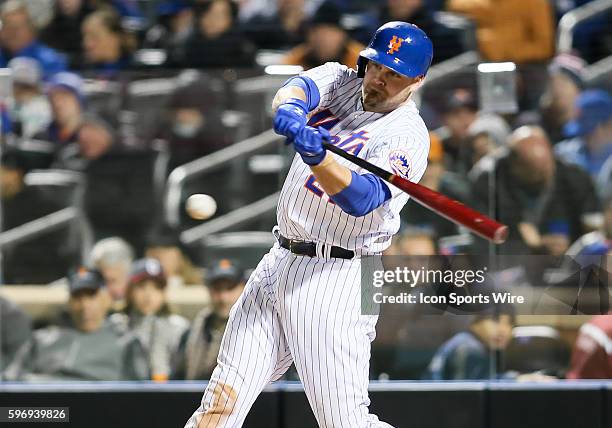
x=449 y=208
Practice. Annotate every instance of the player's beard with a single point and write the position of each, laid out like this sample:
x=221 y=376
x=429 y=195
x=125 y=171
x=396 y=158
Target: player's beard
x=378 y=101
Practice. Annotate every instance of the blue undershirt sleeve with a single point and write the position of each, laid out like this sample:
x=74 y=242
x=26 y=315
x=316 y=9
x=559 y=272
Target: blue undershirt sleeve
x=313 y=96
x=365 y=193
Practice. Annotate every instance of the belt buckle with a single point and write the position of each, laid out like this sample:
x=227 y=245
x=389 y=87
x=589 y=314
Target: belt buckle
x=291 y=241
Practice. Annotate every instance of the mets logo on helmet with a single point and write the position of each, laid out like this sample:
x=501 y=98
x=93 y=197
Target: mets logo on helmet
x=400 y=163
x=395 y=44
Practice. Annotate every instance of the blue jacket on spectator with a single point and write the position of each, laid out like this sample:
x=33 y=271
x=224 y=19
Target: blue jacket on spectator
x=50 y=60
x=463 y=357
x=594 y=109
x=575 y=151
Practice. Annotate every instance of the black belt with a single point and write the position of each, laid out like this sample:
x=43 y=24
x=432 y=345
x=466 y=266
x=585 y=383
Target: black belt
x=310 y=249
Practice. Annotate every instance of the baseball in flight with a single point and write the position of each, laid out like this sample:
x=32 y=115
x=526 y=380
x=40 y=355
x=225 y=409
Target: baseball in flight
x=201 y=206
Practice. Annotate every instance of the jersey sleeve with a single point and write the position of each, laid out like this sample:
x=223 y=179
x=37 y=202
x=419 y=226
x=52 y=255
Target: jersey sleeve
x=328 y=78
x=404 y=154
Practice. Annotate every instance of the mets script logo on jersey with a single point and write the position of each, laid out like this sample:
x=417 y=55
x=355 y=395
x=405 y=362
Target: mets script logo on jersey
x=352 y=143
x=395 y=44
x=400 y=163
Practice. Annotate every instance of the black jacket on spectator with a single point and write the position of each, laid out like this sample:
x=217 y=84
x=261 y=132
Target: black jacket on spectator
x=571 y=196
x=230 y=49
x=186 y=149
x=119 y=197
x=211 y=134
x=52 y=253
x=64 y=33
x=446 y=41
x=267 y=32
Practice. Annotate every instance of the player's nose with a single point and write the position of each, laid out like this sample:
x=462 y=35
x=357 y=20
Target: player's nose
x=379 y=80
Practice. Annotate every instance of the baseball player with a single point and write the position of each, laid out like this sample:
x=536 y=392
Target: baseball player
x=302 y=303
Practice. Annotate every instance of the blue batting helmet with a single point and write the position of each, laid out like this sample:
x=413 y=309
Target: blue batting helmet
x=400 y=46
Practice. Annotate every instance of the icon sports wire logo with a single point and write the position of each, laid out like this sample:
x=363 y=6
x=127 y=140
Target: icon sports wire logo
x=535 y=284
x=395 y=44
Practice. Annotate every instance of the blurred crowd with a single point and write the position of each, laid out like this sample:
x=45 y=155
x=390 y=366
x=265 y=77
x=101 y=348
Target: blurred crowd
x=545 y=171
x=104 y=37
x=118 y=324
x=550 y=193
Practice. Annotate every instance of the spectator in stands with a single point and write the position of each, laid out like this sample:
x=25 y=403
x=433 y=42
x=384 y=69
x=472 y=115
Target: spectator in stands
x=94 y=347
x=65 y=93
x=556 y=105
x=119 y=193
x=95 y=139
x=590 y=133
x=592 y=358
x=541 y=199
x=416 y=242
x=48 y=257
x=463 y=125
x=173 y=27
x=200 y=346
x=215 y=41
x=41 y=12
x=252 y=8
x=326 y=41
x=113 y=258
x=165 y=246
x=468 y=136
x=282 y=30
x=31 y=109
x=64 y=31
x=18 y=38
x=150 y=318
x=196 y=127
x=437 y=177
x=15 y=331
x=487 y=133
x=460 y=111
x=107 y=45
x=521 y=31
x=476 y=353
x=446 y=41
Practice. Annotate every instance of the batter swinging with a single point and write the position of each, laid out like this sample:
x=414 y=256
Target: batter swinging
x=302 y=302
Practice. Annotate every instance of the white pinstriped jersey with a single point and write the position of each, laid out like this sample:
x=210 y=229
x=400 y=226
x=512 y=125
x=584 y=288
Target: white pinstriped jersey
x=396 y=141
x=307 y=310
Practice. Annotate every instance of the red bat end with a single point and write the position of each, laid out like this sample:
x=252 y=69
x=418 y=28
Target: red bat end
x=501 y=234
x=453 y=210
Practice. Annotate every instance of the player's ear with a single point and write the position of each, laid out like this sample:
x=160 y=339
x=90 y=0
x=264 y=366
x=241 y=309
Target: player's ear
x=417 y=83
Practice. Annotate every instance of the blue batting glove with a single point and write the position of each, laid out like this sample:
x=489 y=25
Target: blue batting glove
x=290 y=118
x=309 y=144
